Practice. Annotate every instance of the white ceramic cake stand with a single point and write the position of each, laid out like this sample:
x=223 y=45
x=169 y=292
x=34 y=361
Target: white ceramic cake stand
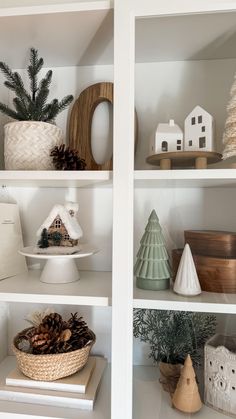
x=59 y=269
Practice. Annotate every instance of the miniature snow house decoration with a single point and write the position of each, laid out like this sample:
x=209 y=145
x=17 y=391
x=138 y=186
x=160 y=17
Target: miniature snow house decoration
x=220 y=373
x=199 y=131
x=60 y=232
x=168 y=137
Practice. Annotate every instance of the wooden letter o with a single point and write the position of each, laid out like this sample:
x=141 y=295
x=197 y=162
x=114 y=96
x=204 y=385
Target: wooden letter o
x=81 y=121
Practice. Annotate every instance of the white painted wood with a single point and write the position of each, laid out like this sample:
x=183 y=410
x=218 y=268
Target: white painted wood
x=123 y=147
x=21 y=410
x=54 y=179
x=152 y=402
x=157 y=7
x=207 y=302
x=93 y=288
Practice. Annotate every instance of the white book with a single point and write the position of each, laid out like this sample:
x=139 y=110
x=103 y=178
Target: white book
x=58 y=398
x=77 y=382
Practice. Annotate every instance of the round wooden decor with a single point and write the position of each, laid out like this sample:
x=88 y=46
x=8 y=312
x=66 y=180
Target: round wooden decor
x=198 y=159
x=81 y=121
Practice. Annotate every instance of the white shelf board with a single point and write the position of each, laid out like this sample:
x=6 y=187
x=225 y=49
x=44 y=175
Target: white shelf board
x=9 y=410
x=87 y=27
x=208 y=302
x=93 y=288
x=185 y=178
x=55 y=178
x=178 y=38
x=150 y=401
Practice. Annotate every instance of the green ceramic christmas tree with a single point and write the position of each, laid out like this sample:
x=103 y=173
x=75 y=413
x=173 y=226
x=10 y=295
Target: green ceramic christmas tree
x=152 y=268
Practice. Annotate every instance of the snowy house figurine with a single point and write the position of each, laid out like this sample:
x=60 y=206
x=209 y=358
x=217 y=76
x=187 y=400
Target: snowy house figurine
x=60 y=232
x=199 y=131
x=220 y=373
x=168 y=137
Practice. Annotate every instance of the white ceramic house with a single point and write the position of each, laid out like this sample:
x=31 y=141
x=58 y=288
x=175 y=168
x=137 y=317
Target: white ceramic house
x=199 y=131
x=62 y=219
x=220 y=373
x=168 y=137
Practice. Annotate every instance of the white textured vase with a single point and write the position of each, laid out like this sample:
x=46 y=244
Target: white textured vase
x=27 y=145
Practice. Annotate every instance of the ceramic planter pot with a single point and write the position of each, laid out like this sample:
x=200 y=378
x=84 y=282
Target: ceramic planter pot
x=169 y=376
x=27 y=145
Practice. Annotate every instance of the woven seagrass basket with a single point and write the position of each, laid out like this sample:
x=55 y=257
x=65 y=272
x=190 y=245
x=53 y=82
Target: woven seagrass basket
x=50 y=367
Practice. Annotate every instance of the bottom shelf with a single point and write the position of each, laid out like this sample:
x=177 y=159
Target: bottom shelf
x=11 y=409
x=152 y=402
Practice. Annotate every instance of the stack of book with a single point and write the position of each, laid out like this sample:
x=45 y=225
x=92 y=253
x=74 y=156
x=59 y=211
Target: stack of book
x=76 y=391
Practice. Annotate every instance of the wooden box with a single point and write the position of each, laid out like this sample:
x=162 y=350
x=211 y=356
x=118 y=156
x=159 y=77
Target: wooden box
x=211 y=243
x=215 y=274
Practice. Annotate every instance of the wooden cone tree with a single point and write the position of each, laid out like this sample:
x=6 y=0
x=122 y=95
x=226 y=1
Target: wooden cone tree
x=186 y=396
x=229 y=136
x=186 y=281
x=152 y=267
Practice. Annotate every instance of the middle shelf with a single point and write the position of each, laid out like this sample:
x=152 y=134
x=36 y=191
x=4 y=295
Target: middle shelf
x=93 y=288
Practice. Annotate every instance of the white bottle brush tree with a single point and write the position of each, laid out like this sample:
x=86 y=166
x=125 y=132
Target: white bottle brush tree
x=152 y=268
x=229 y=136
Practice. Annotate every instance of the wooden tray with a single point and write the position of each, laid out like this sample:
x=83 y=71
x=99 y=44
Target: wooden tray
x=196 y=159
x=215 y=274
x=211 y=243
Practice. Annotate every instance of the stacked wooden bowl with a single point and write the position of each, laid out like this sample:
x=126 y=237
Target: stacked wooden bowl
x=214 y=254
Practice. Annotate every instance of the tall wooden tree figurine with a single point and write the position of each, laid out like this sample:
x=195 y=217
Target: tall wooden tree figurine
x=186 y=396
x=152 y=268
x=229 y=136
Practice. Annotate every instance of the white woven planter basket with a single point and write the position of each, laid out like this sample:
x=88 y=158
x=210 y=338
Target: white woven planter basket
x=27 y=145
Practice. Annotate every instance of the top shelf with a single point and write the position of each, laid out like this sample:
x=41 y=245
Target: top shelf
x=142 y=178
x=55 y=178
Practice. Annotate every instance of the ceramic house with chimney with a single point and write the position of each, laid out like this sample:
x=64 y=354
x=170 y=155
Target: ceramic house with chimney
x=60 y=232
x=220 y=373
x=199 y=131
x=168 y=137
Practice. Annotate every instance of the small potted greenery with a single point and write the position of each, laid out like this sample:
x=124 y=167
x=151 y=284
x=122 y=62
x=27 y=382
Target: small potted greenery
x=172 y=335
x=28 y=142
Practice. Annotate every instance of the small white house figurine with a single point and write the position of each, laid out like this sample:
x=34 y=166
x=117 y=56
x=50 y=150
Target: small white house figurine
x=199 y=131
x=60 y=232
x=220 y=373
x=168 y=137
x=186 y=281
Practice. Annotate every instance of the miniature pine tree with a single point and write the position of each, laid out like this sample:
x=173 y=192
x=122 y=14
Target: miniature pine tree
x=152 y=268
x=43 y=242
x=229 y=136
x=56 y=238
x=186 y=281
x=32 y=105
x=186 y=396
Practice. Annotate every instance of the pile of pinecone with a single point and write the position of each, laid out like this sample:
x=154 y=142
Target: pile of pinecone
x=54 y=335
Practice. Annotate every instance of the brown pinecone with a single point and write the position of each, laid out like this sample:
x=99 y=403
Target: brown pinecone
x=65 y=158
x=49 y=335
x=80 y=332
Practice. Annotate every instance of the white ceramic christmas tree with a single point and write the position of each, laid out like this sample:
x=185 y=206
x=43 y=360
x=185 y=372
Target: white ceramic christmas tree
x=186 y=281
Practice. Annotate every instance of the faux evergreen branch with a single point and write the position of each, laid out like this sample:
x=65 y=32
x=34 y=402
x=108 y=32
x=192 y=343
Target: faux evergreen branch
x=172 y=335
x=32 y=105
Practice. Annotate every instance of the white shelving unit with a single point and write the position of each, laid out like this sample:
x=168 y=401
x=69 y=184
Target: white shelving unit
x=166 y=55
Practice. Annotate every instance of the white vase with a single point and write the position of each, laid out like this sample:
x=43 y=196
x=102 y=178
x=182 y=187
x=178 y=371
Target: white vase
x=27 y=145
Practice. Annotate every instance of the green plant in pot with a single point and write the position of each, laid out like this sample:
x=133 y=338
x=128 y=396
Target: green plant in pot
x=28 y=142
x=172 y=335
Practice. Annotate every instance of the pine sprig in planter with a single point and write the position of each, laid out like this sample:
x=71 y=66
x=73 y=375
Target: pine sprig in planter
x=172 y=335
x=32 y=105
